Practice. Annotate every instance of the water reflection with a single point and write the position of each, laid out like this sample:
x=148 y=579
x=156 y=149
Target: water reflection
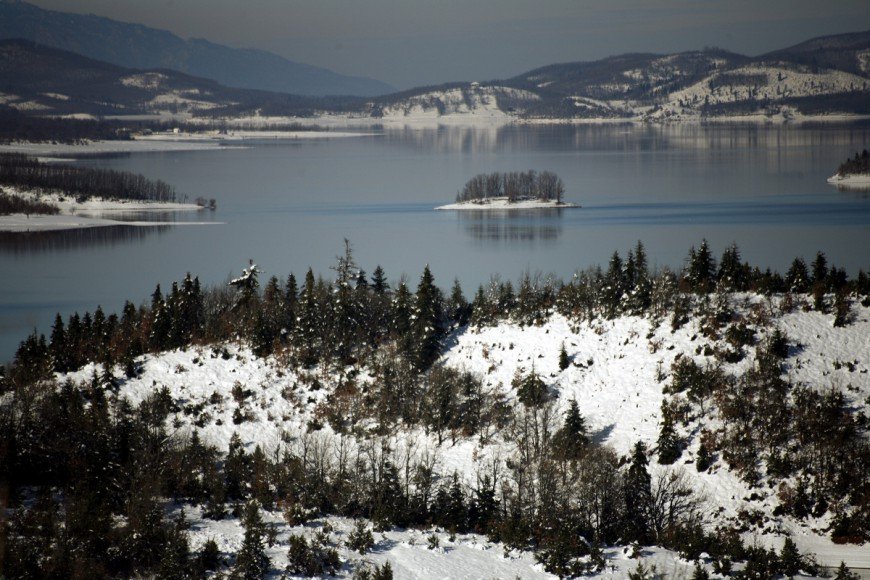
x=515 y=226
x=624 y=137
x=67 y=240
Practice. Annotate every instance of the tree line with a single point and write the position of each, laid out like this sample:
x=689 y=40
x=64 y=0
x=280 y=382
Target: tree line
x=514 y=185
x=860 y=164
x=557 y=493
x=18 y=170
x=17 y=126
x=10 y=204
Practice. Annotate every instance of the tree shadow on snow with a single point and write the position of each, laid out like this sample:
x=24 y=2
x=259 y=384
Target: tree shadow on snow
x=601 y=435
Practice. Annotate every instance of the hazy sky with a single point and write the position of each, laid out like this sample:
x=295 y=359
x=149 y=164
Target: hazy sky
x=416 y=42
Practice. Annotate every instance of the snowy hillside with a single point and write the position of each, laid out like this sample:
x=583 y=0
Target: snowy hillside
x=619 y=374
x=471 y=101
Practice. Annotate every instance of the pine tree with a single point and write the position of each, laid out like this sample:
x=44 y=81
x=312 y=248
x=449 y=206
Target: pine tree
x=216 y=493
x=843 y=573
x=700 y=573
x=441 y=400
x=613 y=287
x=531 y=389
x=426 y=325
x=175 y=563
x=484 y=507
x=308 y=322
x=842 y=308
x=345 y=316
x=638 y=495
x=360 y=538
x=161 y=321
x=236 y=468
x=564 y=361
x=640 y=290
x=669 y=444
x=704 y=460
x=251 y=561
x=379 y=282
x=400 y=320
x=789 y=558
x=640 y=261
x=571 y=439
x=731 y=272
x=702 y=268
x=456 y=514
x=459 y=309
x=59 y=348
x=820 y=270
x=481 y=311
x=291 y=298
x=797 y=278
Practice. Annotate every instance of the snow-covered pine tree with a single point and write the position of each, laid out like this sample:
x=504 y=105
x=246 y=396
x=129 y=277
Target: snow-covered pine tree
x=308 y=322
x=427 y=325
x=732 y=273
x=637 y=490
x=701 y=271
x=797 y=279
x=252 y=563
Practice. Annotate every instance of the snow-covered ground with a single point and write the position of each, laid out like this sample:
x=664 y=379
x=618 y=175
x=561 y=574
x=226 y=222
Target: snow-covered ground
x=502 y=203
x=102 y=147
x=245 y=135
x=851 y=181
x=617 y=374
x=90 y=213
x=470 y=556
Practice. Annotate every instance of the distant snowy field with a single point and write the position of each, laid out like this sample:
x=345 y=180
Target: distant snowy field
x=614 y=376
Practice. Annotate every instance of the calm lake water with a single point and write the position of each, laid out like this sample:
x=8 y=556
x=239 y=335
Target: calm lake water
x=289 y=205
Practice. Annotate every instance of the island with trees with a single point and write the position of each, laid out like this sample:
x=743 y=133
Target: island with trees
x=511 y=190
x=853 y=173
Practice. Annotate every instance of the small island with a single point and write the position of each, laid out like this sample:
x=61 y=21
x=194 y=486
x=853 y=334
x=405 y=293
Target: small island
x=853 y=173
x=511 y=190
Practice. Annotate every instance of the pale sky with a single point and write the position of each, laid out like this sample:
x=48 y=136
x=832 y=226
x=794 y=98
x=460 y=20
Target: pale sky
x=417 y=42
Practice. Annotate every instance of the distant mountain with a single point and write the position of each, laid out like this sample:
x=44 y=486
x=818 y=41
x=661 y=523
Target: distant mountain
x=47 y=81
x=819 y=77
x=846 y=52
x=137 y=46
x=827 y=76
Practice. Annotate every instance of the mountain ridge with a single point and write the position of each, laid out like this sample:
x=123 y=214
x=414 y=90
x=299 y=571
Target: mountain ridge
x=138 y=46
x=822 y=78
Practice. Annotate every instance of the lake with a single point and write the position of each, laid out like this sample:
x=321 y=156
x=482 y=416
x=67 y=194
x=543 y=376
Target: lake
x=289 y=205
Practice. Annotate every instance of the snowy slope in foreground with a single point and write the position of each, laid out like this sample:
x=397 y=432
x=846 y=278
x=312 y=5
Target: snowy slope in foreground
x=619 y=368
x=468 y=556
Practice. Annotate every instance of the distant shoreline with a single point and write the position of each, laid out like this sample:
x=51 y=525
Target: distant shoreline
x=76 y=215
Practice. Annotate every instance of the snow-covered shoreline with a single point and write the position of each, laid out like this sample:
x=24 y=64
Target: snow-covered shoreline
x=246 y=135
x=425 y=120
x=502 y=203
x=852 y=181
x=88 y=214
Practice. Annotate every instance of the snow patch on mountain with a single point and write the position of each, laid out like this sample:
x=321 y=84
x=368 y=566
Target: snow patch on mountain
x=145 y=80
